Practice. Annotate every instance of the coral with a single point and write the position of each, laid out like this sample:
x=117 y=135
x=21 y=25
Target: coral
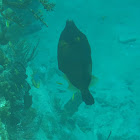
x=3 y=59
x=3 y=39
x=1 y=68
x=1 y=4
x=29 y=124
x=3 y=132
x=11 y=16
x=5 y=89
x=18 y=72
x=4 y=109
x=18 y=120
x=25 y=5
x=29 y=116
x=24 y=52
x=17 y=3
x=50 y=126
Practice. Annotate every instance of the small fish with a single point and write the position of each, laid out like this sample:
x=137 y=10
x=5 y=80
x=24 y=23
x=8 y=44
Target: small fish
x=36 y=79
x=59 y=83
x=72 y=97
x=7 y=23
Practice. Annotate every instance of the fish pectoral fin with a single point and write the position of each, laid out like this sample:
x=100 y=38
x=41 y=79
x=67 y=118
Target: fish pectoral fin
x=94 y=81
x=72 y=88
x=65 y=77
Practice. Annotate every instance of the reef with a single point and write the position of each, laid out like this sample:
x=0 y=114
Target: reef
x=18 y=119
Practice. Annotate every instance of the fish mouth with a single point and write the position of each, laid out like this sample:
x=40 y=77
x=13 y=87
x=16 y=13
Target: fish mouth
x=69 y=20
x=69 y=23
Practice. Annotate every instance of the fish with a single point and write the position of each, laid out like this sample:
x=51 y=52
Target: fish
x=74 y=59
x=59 y=83
x=35 y=78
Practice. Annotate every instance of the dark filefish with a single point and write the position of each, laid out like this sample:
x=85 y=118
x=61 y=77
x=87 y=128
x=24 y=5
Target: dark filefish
x=74 y=59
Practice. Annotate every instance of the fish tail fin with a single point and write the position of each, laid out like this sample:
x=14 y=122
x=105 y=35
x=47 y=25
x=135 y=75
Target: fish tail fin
x=87 y=97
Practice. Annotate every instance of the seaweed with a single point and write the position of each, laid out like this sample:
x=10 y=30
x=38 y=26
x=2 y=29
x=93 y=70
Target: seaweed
x=38 y=16
x=47 y=5
x=24 y=52
x=12 y=16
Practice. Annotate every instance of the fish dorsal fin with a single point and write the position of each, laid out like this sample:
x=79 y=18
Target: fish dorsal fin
x=94 y=81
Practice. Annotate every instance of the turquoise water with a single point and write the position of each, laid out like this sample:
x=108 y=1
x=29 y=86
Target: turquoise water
x=56 y=112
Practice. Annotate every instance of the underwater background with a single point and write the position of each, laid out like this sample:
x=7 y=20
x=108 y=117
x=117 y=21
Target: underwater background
x=35 y=102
